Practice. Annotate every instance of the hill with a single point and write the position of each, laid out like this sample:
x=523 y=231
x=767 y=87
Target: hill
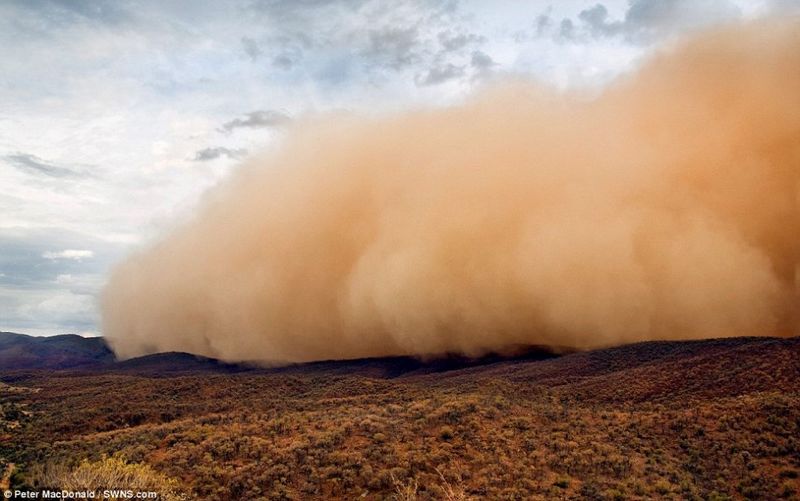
x=712 y=419
x=19 y=351
x=170 y=364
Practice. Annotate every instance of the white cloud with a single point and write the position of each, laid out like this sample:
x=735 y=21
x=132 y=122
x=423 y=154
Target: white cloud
x=76 y=254
x=63 y=304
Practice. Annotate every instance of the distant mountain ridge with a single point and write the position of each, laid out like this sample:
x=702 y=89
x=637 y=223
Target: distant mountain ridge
x=74 y=352
x=92 y=354
x=65 y=351
x=651 y=367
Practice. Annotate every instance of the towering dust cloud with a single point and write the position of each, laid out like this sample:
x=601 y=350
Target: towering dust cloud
x=665 y=208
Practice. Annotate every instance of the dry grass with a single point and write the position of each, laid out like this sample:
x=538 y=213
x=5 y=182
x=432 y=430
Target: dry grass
x=717 y=420
x=108 y=473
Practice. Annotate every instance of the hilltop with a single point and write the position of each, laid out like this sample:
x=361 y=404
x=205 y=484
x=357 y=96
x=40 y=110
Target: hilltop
x=20 y=351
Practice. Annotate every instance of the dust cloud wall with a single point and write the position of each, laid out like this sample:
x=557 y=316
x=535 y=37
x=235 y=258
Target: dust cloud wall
x=664 y=208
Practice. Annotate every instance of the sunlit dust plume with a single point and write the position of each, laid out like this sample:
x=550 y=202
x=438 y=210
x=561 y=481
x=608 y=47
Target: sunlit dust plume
x=664 y=208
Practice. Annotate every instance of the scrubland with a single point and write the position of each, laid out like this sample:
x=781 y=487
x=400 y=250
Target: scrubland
x=694 y=420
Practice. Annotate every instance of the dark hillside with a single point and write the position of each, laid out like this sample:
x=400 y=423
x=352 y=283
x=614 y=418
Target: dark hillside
x=19 y=351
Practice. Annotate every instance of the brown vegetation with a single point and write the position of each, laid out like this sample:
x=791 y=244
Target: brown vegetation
x=106 y=473
x=696 y=420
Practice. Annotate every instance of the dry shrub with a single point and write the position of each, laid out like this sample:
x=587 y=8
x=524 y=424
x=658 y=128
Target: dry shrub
x=109 y=473
x=405 y=491
x=452 y=492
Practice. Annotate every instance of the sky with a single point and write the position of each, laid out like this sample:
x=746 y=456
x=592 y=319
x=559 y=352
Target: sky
x=116 y=115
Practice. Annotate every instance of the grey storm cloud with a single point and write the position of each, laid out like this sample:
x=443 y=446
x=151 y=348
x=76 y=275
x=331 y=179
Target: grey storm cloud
x=258 y=119
x=352 y=39
x=207 y=154
x=481 y=61
x=440 y=74
x=543 y=22
x=644 y=21
x=65 y=12
x=35 y=165
x=283 y=62
x=648 y=20
x=297 y=12
x=451 y=41
x=596 y=19
x=395 y=47
x=566 y=29
x=251 y=48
